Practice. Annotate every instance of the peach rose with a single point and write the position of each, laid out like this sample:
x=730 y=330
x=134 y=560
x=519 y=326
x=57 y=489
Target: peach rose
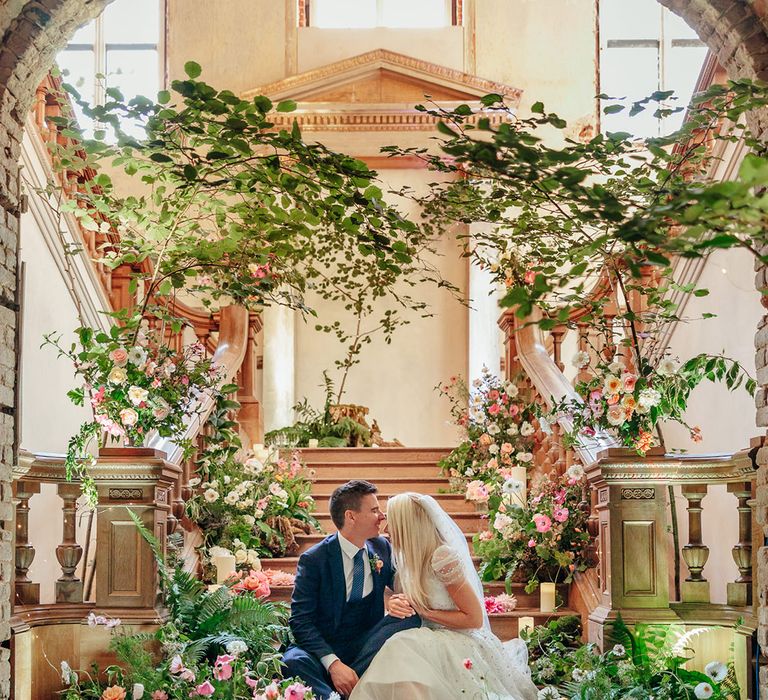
x=119 y=356
x=114 y=692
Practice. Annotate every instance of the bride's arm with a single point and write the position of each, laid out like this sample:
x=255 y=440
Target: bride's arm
x=467 y=616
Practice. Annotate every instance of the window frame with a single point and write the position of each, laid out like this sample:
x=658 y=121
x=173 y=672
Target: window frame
x=101 y=48
x=454 y=10
x=663 y=44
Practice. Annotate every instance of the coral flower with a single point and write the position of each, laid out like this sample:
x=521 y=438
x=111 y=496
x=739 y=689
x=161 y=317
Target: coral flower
x=114 y=692
x=543 y=522
x=628 y=381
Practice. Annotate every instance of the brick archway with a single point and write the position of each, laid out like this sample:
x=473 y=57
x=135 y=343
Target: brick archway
x=33 y=31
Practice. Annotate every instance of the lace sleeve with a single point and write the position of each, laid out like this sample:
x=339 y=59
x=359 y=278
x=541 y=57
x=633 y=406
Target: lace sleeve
x=446 y=563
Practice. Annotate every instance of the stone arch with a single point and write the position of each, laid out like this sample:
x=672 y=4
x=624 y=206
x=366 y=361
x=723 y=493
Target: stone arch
x=32 y=31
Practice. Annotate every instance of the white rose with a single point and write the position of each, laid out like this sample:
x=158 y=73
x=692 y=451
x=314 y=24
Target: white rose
x=648 y=398
x=117 y=376
x=231 y=498
x=226 y=479
x=493 y=429
x=616 y=367
x=493 y=449
x=253 y=559
x=249 y=520
x=575 y=471
x=194 y=481
x=513 y=429
x=511 y=390
x=580 y=360
x=138 y=691
x=616 y=415
x=241 y=556
x=523 y=456
x=526 y=429
x=501 y=521
x=137 y=395
x=211 y=495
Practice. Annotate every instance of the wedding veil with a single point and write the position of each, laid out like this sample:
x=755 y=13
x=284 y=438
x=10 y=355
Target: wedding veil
x=452 y=535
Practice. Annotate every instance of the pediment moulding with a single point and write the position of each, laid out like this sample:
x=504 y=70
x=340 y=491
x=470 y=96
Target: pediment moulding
x=379 y=91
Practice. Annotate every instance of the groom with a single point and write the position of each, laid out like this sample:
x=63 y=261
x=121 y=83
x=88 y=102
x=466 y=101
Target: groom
x=343 y=585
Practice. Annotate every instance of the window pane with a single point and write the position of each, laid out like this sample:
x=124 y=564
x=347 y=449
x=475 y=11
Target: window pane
x=634 y=74
x=676 y=28
x=132 y=22
x=630 y=19
x=407 y=13
x=681 y=71
x=85 y=35
x=78 y=69
x=343 y=13
x=133 y=72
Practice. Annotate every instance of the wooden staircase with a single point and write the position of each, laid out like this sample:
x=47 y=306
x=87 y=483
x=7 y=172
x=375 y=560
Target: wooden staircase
x=396 y=470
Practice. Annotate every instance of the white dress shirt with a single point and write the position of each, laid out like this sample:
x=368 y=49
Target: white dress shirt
x=348 y=552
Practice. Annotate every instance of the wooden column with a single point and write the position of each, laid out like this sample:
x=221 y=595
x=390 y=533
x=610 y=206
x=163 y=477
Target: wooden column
x=69 y=588
x=695 y=588
x=740 y=591
x=26 y=592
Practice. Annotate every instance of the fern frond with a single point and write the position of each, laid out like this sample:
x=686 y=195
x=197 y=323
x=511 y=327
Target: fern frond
x=684 y=639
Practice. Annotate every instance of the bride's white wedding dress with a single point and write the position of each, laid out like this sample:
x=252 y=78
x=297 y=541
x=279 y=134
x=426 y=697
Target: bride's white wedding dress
x=429 y=663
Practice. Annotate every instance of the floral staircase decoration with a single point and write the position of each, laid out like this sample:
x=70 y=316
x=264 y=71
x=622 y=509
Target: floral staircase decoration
x=136 y=385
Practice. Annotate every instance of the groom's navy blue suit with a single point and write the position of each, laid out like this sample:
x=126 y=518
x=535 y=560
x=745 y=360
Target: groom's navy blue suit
x=324 y=622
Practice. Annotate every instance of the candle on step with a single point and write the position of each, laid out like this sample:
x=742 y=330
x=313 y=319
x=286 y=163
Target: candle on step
x=547 y=597
x=313 y=442
x=520 y=474
x=524 y=623
x=225 y=567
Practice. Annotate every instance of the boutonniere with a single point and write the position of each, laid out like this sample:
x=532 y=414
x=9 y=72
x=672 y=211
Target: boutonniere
x=376 y=564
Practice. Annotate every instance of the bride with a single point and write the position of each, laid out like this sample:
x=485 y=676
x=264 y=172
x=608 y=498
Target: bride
x=453 y=654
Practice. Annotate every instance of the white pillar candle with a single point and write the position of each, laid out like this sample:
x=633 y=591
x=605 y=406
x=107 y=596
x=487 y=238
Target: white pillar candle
x=521 y=474
x=313 y=442
x=547 y=597
x=524 y=623
x=225 y=567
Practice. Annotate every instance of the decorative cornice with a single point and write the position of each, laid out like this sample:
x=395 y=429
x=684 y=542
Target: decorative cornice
x=296 y=86
x=393 y=115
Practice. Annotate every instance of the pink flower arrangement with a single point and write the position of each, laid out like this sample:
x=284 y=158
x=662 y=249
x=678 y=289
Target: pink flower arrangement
x=255 y=582
x=278 y=578
x=501 y=603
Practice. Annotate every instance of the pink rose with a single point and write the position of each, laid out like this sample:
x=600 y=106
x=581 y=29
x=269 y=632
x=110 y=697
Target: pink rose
x=205 y=689
x=159 y=695
x=561 y=514
x=543 y=522
x=494 y=409
x=119 y=356
x=485 y=535
x=295 y=691
x=628 y=381
x=514 y=409
x=506 y=448
x=529 y=277
x=531 y=542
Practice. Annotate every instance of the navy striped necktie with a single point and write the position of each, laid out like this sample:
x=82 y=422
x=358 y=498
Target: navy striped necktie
x=358 y=576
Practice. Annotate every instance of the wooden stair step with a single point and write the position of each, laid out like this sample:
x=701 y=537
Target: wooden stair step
x=431 y=485
x=450 y=502
x=506 y=625
x=468 y=522
x=325 y=455
x=372 y=471
x=307 y=541
x=289 y=563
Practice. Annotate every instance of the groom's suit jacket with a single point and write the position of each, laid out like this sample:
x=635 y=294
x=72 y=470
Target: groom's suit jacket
x=320 y=592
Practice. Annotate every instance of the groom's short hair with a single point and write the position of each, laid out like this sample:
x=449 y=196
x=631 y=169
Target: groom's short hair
x=348 y=497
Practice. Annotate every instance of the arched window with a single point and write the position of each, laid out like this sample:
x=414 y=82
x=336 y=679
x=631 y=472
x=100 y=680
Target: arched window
x=119 y=49
x=645 y=48
x=362 y=14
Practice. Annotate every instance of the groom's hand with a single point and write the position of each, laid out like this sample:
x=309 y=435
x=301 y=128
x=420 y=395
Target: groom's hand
x=343 y=677
x=398 y=606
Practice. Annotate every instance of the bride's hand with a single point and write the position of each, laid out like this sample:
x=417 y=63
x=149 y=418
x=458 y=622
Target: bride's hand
x=399 y=606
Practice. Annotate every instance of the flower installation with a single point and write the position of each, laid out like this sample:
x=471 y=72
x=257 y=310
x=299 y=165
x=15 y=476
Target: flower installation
x=135 y=385
x=629 y=404
x=648 y=662
x=253 y=504
x=542 y=538
x=498 y=425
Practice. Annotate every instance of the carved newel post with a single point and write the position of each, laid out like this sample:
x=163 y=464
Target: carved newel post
x=695 y=588
x=140 y=480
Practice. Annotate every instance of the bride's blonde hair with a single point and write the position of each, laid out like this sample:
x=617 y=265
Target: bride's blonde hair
x=414 y=541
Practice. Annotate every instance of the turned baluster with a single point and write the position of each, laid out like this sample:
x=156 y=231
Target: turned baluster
x=695 y=588
x=740 y=591
x=69 y=588
x=557 y=342
x=27 y=593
